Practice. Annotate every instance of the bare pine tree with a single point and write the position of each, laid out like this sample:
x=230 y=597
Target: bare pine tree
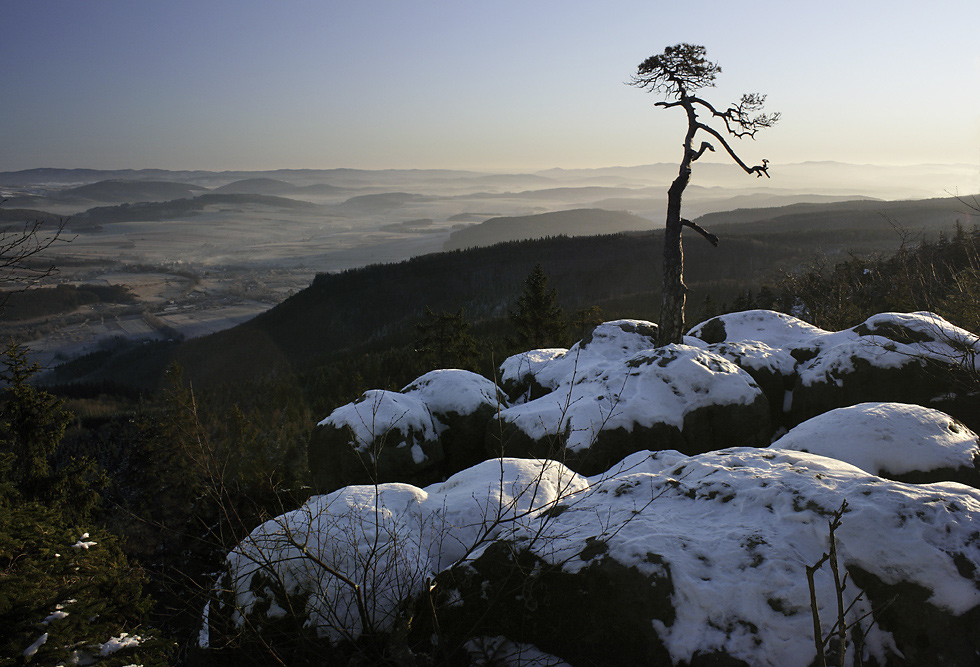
x=678 y=74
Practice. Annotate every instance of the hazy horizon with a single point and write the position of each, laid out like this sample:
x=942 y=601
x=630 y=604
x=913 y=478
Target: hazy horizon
x=509 y=87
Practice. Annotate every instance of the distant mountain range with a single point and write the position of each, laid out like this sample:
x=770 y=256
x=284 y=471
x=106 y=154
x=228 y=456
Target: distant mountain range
x=132 y=191
x=881 y=181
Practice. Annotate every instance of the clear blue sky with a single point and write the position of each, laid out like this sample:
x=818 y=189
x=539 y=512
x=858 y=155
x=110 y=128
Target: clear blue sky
x=516 y=85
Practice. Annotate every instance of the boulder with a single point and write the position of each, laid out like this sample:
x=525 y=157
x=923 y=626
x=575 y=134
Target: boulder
x=611 y=405
x=773 y=369
x=519 y=373
x=895 y=357
x=383 y=436
x=701 y=561
x=663 y=559
x=898 y=441
x=462 y=404
x=530 y=375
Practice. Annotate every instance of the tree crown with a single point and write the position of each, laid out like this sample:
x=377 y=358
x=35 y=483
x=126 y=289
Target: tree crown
x=677 y=72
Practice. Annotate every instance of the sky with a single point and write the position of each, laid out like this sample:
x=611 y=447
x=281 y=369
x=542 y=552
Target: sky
x=457 y=84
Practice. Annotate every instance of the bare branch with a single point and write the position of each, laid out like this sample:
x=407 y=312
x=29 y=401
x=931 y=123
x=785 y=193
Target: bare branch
x=698 y=153
x=759 y=170
x=711 y=238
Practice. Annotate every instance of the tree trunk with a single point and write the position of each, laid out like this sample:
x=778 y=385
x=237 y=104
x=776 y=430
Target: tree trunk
x=675 y=291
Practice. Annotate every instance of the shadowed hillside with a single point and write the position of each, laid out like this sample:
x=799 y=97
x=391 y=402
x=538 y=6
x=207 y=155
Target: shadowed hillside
x=579 y=222
x=380 y=304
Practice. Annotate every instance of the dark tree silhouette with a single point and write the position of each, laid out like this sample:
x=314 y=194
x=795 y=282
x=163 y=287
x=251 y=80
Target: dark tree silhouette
x=443 y=340
x=538 y=319
x=677 y=74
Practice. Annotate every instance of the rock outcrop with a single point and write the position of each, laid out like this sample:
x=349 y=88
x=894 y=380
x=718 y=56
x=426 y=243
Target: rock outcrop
x=434 y=427
x=615 y=393
x=898 y=357
x=899 y=441
x=664 y=559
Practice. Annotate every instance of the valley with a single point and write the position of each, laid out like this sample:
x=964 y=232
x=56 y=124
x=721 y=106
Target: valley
x=203 y=251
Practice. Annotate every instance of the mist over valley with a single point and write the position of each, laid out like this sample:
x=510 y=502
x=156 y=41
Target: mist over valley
x=201 y=251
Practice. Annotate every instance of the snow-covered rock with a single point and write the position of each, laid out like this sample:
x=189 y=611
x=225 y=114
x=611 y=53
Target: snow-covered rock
x=462 y=404
x=777 y=330
x=665 y=559
x=358 y=554
x=519 y=373
x=677 y=560
x=382 y=436
x=343 y=564
x=894 y=440
x=531 y=374
x=614 y=400
x=773 y=369
x=902 y=357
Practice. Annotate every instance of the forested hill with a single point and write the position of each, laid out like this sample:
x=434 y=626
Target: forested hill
x=378 y=306
x=864 y=216
x=161 y=211
x=572 y=223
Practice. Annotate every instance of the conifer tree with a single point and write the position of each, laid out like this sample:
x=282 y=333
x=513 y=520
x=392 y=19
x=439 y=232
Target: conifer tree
x=538 y=318
x=67 y=591
x=443 y=341
x=32 y=425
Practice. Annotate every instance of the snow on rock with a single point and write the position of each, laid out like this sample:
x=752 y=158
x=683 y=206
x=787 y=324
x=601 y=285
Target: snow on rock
x=389 y=539
x=493 y=498
x=894 y=440
x=462 y=404
x=773 y=369
x=706 y=556
x=777 y=330
x=519 y=373
x=326 y=560
x=382 y=436
x=930 y=332
x=906 y=357
x=453 y=391
x=377 y=413
x=663 y=558
x=531 y=374
x=609 y=405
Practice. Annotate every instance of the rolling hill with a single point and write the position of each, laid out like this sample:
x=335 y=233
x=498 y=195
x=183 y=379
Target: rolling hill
x=578 y=222
x=169 y=210
x=378 y=306
x=257 y=186
x=132 y=191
